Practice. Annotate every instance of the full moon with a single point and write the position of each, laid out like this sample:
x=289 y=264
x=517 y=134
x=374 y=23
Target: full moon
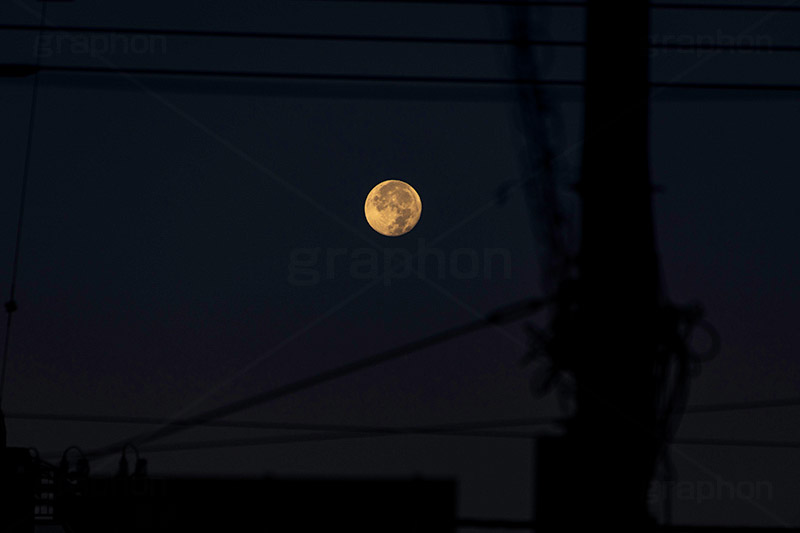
x=393 y=208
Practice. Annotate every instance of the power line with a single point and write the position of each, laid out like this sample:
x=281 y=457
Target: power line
x=506 y=3
x=11 y=304
x=304 y=76
x=739 y=406
x=483 y=429
x=339 y=431
x=576 y=5
x=405 y=79
x=743 y=47
x=512 y=435
x=738 y=443
x=725 y=7
x=502 y=316
x=299 y=36
x=395 y=39
x=452 y=428
x=780 y=87
x=388 y=432
x=324 y=437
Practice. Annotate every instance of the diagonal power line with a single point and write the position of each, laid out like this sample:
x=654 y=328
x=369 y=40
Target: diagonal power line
x=294 y=36
x=450 y=428
x=322 y=432
x=505 y=315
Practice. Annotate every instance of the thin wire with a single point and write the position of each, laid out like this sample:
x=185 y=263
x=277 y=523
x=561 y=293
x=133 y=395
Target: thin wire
x=106 y=419
x=300 y=36
x=738 y=406
x=448 y=428
x=725 y=7
x=743 y=47
x=371 y=78
x=781 y=87
x=537 y=158
x=575 y=5
x=11 y=305
x=299 y=438
x=398 y=39
x=301 y=76
x=741 y=443
x=528 y=3
x=338 y=431
x=512 y=435
x=347 y=435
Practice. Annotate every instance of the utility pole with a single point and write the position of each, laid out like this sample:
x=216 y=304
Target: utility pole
x=598 y=474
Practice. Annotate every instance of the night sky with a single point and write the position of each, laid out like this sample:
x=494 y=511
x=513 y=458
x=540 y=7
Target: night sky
x=168 y=220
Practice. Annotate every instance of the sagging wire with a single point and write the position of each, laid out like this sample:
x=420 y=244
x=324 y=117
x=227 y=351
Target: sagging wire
x=668 y=476
x=677 y=360
x=555 y=347
x=536 y=122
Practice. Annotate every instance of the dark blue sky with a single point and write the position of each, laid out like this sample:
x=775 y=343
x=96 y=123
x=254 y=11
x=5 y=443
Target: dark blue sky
x=164 y=216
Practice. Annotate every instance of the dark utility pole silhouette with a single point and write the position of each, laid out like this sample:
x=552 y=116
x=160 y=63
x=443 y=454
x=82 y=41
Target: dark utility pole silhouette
x=598 y=474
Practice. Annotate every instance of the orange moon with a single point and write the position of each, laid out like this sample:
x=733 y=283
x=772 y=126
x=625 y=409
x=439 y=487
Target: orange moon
x=393 y=208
